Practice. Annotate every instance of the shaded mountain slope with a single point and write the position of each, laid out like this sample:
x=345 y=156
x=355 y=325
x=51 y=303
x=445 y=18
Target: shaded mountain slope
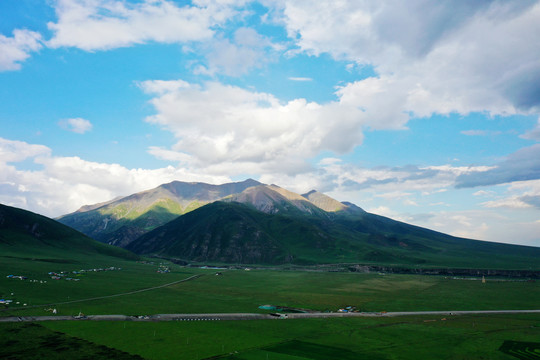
x=35 y=236
x=230 y=232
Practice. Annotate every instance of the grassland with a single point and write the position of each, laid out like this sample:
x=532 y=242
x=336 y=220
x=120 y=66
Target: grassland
x=467 y=337
x=244 y=291
x=463 y=337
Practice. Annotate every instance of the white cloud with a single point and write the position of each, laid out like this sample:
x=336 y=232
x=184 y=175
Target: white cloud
x=484 y=193
x=512 y=203
x=15 y=49
x=231 y=129
x=293 y=78
x=431 y=57
x=16 y=151
x=107 y=24
x=238 y=56
x=246 y=50
x=63 y=184
x=76 y=125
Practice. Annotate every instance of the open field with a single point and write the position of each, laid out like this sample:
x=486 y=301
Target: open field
x=244 y=291
x=459 y=337
x=464 y=337
x=423 y=337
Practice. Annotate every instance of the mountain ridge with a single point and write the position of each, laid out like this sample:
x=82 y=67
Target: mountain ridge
x=120 y=221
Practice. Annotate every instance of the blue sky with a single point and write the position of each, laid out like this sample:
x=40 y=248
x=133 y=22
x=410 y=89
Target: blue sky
x=426 y=112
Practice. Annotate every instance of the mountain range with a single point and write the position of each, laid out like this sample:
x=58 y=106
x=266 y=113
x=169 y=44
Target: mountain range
x=252 y=223
x=122 y=220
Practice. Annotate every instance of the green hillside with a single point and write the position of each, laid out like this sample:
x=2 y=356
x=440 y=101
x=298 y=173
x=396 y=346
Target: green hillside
x=32 y=236
x=238 y=233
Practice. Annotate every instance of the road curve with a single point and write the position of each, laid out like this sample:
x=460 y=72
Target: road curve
x=252 y=316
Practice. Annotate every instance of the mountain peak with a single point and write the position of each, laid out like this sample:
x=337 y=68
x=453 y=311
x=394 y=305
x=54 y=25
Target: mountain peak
x=323 y=201
x=272 y=199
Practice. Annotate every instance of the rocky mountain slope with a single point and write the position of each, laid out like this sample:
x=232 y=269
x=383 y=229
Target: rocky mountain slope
x=120 y=221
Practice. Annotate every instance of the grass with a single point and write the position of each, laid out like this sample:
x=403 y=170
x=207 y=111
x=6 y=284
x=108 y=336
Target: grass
x=33 y=341
x=244 y=291
x=463 y=337
x=459 y=337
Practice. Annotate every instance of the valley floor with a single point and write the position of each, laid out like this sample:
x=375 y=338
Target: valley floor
x=405 y=316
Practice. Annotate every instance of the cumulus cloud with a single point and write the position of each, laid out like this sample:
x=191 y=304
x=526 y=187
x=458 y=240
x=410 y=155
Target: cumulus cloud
x=76 y=125
x=16 y=151
x=234 y=57
x=63 y=184
x=107 y=24
x=16 y=49
x=230 y=128
x=522 y=165
x=431 y=57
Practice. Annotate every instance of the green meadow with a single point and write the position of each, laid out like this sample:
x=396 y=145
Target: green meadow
x=244 y=291
x=458 y=337
x=464 y=337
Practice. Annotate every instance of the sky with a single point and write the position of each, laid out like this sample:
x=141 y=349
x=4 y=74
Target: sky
x=427 y=112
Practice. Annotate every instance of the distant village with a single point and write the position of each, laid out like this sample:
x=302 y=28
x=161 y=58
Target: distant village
x=61 y=275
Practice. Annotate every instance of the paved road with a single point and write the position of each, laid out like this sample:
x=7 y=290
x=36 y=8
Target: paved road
x=251 y=316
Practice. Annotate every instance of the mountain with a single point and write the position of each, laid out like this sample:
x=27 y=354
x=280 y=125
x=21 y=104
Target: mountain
x=324 y=202
x=272 y=199
x=225 y=232
x=249 y=222
x=120 y=221
x=231 y=232
x=270 y=225
x=23 y=233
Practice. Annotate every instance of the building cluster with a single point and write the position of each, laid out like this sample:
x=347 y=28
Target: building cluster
x=163 y=269
x=68 y=275
x=348 y=309
x=20 y=277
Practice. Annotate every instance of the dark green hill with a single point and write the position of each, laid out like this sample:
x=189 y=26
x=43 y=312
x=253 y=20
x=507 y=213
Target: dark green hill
x=223 y=232
x=32 y=236
x=238 y=233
